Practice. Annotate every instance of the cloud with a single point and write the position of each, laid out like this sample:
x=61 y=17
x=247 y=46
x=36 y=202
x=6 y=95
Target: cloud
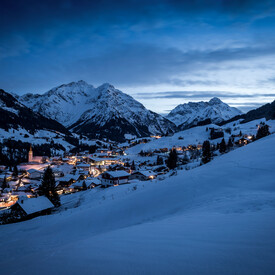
x=135 y=64
x=199 y=95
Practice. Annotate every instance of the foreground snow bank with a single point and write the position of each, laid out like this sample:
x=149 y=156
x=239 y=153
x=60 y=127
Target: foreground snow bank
x=216 y=219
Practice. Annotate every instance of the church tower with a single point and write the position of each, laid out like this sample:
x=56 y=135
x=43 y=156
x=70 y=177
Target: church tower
x=30 y=154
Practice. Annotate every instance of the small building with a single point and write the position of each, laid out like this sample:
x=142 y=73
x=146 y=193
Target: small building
x=58 y=173
x=105 y=151
x=84 y=166
x=34 y=174
x=114 y=178
x=143 y=175
x=33 y=207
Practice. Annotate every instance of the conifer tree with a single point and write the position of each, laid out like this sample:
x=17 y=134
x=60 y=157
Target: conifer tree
x=172 y=159
x=206 y=152
x=263 y=131
x=84 y=185
x=48 y=187
x=222 y=146
x=230 y=143
x=159 y=160
x=133 y=166
x=15 y=171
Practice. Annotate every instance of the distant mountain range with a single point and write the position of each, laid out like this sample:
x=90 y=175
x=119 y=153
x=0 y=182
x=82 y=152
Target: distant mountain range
x=102 y=112
x=106 y=112
x=193 y=113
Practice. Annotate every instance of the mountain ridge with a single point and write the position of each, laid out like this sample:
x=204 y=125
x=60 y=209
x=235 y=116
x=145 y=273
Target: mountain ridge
x=194 y=113
x=101 y=112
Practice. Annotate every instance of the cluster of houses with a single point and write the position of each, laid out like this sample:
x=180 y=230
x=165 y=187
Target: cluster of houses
x=72 y=173
x=104 y=168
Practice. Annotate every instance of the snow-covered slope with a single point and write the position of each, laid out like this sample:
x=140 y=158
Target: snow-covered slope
x=14 y=115
x=197 y=135
x=190 y=114
x=98 y=112
x=215 y=219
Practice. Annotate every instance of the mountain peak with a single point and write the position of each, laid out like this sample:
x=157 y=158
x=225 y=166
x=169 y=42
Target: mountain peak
x=215 y=100
x=192 y=113
x=106 y=86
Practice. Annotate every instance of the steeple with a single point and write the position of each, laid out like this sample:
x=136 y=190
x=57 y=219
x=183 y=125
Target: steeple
x=30 y=155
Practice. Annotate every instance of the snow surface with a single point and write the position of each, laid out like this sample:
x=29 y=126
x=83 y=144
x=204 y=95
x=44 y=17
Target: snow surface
x=215 y=219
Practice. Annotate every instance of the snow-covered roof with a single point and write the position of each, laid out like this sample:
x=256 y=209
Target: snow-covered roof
x=34 y=205
x=146 y=173
x=117 y=174
x=83 y=165
x=34 y=171
x=96 y=181
x=69 y=177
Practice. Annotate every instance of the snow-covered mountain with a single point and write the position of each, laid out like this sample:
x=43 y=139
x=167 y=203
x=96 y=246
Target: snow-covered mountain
x=97 y=112
x=190 y=114
x=15 y=115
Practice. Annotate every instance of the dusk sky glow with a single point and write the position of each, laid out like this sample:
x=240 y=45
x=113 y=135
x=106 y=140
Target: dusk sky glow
x=161 y=52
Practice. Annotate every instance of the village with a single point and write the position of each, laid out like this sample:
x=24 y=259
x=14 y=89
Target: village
x=108 y=166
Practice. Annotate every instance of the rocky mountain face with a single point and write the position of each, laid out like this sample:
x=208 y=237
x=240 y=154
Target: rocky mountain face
x=102 y=112
x=194 y=113
x=14 y=114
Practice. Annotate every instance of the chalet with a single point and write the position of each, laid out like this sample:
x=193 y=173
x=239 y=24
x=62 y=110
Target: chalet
x=30 y=208
x=84 y=166
x=34 y=174
x=114 y=178
x=143 y=175
x=96 y=161
x=104 y=151
x=87 y=183
x=67 y=180
x=243 y=141
x=58 y=173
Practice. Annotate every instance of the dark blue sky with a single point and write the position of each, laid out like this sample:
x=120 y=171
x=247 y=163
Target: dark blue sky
x=161 y=52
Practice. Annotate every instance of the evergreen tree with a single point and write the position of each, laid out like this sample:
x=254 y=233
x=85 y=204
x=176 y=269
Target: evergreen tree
x=206 y=152
x=48 y=187
x=159 y=160
x=222 y=146
x=15 y=171
x=172 y=159
x=230 y=143
x=133 y=166
x=263 y=131
x=84 y=185
x=240 y=134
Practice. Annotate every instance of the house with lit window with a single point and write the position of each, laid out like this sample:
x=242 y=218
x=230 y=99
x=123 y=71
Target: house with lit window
x=110 y=178
x=143 y=175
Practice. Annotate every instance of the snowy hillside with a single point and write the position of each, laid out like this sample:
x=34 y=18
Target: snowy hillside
x=215 y=219
x=98 y=112
x=189 y=114
x=197 y=135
